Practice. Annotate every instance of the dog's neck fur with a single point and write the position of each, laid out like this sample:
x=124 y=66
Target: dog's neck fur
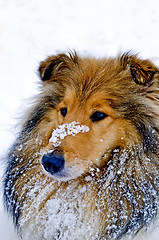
x=132 y=180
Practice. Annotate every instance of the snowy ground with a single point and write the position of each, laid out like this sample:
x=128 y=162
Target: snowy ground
x=32 y=29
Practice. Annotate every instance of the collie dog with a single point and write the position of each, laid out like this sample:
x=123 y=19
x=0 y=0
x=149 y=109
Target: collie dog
x=85 y=165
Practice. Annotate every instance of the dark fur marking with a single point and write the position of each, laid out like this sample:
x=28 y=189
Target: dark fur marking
x=35 y=117
x=9 y=181
x=39 y=112
x=142 y=121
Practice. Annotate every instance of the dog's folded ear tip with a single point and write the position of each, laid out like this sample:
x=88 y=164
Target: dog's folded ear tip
x=142 y=77
x=46 y=68
x=142 y=71
x=55 y=63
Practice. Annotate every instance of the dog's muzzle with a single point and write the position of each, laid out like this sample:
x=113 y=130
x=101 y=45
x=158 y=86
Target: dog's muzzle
x=53 y=163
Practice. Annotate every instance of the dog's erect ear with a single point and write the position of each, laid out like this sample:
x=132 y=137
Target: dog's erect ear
x=55 y=63
x=142 y=71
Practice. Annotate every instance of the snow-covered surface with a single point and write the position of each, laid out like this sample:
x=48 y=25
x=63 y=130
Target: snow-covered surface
x=30 y=30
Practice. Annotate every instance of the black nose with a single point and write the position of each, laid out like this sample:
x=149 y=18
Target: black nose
x=53 y=163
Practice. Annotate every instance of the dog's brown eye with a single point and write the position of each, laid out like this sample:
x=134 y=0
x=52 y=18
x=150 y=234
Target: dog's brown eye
x=63 y=111
x=97 y=116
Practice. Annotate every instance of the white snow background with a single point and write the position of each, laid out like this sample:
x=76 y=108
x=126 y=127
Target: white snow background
x=30 y=30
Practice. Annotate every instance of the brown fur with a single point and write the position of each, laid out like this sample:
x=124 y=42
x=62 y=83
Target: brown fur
x=113 y=189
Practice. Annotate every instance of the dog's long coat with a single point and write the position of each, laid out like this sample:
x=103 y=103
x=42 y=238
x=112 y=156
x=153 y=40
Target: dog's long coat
x=98 y=179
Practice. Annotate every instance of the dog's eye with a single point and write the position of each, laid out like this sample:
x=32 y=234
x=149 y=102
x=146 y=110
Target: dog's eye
x=97 y=116
x=63 y=111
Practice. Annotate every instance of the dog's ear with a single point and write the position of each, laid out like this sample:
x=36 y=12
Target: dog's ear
x=56 y=63
x=49 y=65
x=142 y=71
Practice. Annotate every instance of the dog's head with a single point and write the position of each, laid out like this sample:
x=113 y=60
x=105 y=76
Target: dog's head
x=96 y=106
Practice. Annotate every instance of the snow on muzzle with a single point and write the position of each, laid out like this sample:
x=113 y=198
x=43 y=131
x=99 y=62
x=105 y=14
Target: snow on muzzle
x=54 y=162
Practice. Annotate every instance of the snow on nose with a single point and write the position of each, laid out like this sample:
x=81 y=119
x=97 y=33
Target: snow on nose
x=64 y=130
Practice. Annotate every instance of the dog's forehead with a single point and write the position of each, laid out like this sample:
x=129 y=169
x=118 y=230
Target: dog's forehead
x=102 y=77
x=72 y=95
x=97 y=100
